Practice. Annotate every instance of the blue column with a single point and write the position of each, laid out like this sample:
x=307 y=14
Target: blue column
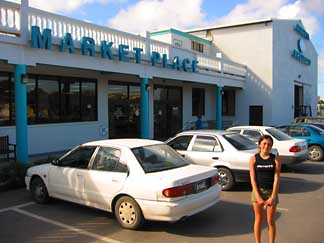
x=21 y=115
x=219 y=108
x=144 y=108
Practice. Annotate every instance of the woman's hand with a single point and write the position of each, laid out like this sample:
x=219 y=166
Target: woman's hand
x=259 y=199
x=270 y=201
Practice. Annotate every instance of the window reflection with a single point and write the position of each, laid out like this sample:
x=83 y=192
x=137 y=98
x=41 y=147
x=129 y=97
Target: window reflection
x=50 y=99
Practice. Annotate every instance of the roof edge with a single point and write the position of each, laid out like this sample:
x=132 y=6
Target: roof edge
x=231 y=25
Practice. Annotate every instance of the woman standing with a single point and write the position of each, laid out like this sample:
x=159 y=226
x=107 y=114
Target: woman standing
x=264 y=175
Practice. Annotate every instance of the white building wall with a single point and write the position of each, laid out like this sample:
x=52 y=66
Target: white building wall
x=288 y=71
x=250 y=45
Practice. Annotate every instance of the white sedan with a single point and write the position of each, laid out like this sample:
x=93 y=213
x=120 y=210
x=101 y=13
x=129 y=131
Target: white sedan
x=290 y=150
x=136 y=179
x=229 y=152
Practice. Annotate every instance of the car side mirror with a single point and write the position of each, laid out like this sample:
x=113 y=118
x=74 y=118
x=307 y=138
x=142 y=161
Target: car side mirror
x=55 y=162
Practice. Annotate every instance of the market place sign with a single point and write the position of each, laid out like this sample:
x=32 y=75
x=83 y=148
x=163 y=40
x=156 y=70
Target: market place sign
x=301 y=47
x=44 y=41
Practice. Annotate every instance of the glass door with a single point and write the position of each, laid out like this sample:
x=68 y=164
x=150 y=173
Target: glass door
x=167 y=111
x=124 y=110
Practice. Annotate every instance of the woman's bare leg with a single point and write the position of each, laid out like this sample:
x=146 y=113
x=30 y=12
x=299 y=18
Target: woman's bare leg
x=271 y=214
x=258 y=217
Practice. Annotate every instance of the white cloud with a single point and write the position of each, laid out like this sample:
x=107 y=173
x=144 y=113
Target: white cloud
x=306 y=10
x=150 y=15
x=64 y=5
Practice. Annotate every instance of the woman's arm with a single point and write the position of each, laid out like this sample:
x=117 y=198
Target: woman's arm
x=275 y=182
x=276 y=178
x=253 y=182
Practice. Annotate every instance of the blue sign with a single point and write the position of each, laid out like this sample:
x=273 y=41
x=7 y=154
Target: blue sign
x=44 y=41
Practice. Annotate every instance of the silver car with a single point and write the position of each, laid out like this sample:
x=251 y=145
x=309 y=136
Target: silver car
x=229 y=152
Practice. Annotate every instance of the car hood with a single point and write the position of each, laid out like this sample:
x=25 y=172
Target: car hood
x=38 y=169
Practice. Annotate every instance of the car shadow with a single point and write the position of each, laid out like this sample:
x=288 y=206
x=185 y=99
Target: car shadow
x=224 y=219
x=311 y=168
x=297 y=185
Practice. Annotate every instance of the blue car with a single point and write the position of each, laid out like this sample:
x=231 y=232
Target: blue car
x=312 y=134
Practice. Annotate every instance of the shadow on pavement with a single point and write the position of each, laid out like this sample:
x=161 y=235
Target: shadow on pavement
x=311 y=168
x=224 y=219
x=297 y=185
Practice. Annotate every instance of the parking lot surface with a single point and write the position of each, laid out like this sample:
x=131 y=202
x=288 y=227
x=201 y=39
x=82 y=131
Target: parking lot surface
x=300 y=217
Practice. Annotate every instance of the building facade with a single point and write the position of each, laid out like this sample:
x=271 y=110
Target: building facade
x=64 y=81
x=281 y=78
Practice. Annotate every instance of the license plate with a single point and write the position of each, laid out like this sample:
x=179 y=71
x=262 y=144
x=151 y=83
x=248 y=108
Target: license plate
x=201 y=185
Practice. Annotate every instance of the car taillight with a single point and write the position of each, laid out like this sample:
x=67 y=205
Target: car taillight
x=295 y=149
x=178 y=191
x=214 y=180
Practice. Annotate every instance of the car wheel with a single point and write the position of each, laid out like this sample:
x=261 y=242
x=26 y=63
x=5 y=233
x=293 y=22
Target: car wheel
x=128 y=213
x=315 y=153
x=225 y=178
x=39 y=190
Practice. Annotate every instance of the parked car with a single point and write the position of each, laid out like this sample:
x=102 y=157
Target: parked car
x=229 y=152
x=319 y=125
x=311 y=133
x=309 y=119
x=136 y=179
x=290 y=150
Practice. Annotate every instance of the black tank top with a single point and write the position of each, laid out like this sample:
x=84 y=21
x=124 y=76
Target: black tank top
x=264 y=171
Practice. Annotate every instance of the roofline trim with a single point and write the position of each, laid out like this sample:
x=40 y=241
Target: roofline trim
x=230 y=25
x=184 y=34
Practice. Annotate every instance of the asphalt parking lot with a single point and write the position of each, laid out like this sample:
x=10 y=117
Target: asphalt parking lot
x=300 y=217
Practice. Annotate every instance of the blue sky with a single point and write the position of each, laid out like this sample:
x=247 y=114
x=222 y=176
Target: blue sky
x=138 y=16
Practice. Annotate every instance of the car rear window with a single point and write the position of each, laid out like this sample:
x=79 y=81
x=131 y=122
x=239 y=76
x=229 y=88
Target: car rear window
x=158 y=157
x=318 y=130
x=239 y=141
x=277 y=134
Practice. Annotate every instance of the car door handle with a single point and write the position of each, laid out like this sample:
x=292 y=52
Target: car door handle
x=183 y=155
x=215 y=158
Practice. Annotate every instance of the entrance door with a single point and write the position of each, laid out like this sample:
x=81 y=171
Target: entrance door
x=256 y=115
x=124 y=110
x=167 y=111
x=299 y=100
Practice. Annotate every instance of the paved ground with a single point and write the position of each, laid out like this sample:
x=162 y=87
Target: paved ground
x=300 y=217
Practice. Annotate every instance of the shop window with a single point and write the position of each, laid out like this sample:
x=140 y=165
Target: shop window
x=7 y=105
x=196 y=46
x=228 y=103
x=50 y=99
x=70 y=100
x=88 y=101
x=198 y=102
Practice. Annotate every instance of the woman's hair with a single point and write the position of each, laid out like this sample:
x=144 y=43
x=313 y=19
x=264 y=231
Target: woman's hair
x=263 y=137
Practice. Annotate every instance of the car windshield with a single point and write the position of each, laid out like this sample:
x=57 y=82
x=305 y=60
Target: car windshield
x=158 y=157
x=277 y=134
x=239 y=141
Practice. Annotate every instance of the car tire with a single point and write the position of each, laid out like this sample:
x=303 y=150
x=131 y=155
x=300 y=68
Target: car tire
x=226 y=178
x=39 y=191
x=315 y=153
x=128 y=213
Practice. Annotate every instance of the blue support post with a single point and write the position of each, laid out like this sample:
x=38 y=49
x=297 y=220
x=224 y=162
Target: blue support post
x=219 y=108
x=144 y=108
x=21 y=115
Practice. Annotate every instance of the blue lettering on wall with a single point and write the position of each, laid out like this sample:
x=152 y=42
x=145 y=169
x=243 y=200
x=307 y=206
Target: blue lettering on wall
x=137 y=54
x=88 y=46
x=44 y=41
x=106 y=50
x=123 y=52
x=155 y=57
x=67 y=43
x=38 y=40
